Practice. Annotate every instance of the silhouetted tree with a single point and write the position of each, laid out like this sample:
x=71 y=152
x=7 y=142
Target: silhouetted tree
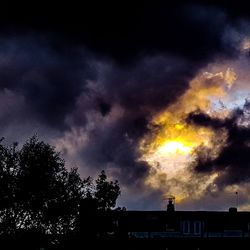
x=9 y=170
x=37 y=192
x=106 y=192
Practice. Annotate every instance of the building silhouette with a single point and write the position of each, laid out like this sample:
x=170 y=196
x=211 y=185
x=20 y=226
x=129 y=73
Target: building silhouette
x=170 y=229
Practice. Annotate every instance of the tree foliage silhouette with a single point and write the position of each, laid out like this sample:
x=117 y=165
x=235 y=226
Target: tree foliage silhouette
x=106 y=192
x=38 y=192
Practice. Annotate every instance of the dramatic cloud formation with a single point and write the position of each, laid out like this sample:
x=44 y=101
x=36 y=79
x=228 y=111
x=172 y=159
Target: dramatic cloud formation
x=153 y=93
x=232 y=160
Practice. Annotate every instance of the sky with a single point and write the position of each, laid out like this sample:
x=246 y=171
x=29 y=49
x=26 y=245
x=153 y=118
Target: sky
x=156 y=93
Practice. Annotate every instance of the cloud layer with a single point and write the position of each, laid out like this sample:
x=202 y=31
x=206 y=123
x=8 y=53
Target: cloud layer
x=91 y=83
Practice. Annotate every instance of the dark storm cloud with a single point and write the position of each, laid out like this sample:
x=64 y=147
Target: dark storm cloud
x=233 y=159
x=112 y=148
x=73 y=66
x=59 y=89
x=150 y=85
x=205 y=120
x=48 y=80
x=124 y=30
x=138 y=93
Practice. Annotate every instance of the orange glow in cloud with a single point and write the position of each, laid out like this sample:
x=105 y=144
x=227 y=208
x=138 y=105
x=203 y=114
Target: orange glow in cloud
x=168 y=148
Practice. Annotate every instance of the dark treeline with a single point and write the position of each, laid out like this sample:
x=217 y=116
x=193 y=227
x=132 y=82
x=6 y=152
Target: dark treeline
x=40 y=200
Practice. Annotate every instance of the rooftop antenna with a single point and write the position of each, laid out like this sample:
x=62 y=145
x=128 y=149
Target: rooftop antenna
x=237 y=199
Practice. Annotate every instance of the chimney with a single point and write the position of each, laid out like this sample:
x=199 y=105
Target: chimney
x=170 y=207
x=233 y=210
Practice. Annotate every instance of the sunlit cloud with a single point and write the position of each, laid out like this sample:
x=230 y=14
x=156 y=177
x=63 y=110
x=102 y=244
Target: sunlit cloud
x=169 y=146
